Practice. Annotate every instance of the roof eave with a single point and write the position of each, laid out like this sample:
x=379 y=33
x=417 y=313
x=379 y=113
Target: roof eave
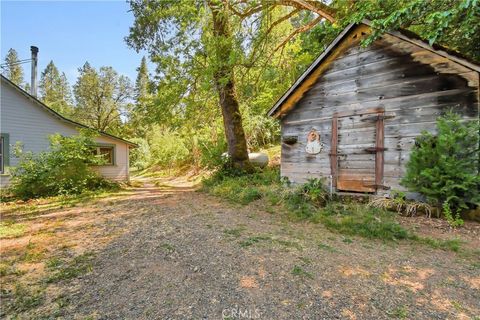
x=441 y=51
x=59 y=116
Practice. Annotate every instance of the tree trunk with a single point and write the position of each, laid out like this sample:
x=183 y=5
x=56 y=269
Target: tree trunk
x=225 y=84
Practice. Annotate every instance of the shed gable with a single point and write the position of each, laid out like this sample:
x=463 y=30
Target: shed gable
x=405 y=85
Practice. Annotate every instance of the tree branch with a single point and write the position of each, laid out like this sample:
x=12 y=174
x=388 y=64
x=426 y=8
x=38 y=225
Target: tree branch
x=305 y=28
x=318 y=7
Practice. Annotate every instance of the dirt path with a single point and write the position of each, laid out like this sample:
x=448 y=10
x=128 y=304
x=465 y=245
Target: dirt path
x=188 y=256
x=170 y=252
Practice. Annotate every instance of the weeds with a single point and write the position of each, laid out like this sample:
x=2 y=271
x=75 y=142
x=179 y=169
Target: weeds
x=312 y=202
x=63 y=270
x=453 y=220
x=298 y=271
x=401 y=205
x=398 y=313
x=168 y=248
x=327 y=247
x=236 y=232
x=11 y=230
x=26 y=298
x=253 y=240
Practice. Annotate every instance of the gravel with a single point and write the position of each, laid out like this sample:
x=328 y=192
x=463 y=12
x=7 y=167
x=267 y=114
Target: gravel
x=187 y=255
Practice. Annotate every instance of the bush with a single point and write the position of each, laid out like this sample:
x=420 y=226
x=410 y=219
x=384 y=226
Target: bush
x=444 y=167
x=64 y=169
x=167 y=148
x=140 y=157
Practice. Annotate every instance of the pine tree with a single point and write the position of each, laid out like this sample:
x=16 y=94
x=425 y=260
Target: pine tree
x=13 y=69
x=142 y=94
x=444 y=166
x=55 y=90
x=142 y=83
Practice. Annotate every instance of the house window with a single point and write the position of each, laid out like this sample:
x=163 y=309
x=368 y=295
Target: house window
x=4 y=152
x=2 y=143
x=107 y=153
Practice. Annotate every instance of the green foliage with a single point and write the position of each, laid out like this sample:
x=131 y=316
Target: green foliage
x=64 y=169
x=250 y=241
x=298 y=271
x=453 y=220
x=13 y=69
x=66 y=270
x=358 y=219
x=102 y=96
x=454 y=24
x=26 y=298
x=55 y=91
x=243 y=189
x=167 y=149
x=11 y=230
x=444 y=167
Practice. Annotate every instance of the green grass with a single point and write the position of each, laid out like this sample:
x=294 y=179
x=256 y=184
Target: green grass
x=298 y=271
x=244 y=189
x=311 y=202
x=235 y=232
x=168 y=247
x=11 y=230
x=449 y=244
x=66 y=270
x=327 y=247
x=398 y=313
x=253 y=240
x=26 y=298
x=37 y=206
x=7 y=269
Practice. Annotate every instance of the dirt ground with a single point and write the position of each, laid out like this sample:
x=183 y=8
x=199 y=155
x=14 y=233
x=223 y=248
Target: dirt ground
x=171 y=252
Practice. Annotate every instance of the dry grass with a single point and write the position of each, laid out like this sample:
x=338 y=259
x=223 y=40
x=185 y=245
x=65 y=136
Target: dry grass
x=403 y=207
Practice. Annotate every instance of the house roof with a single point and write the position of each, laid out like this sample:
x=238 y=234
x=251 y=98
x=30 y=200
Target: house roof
x=401 y=34
x=59 y=116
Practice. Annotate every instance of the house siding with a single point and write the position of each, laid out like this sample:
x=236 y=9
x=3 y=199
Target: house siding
x=31 y=125
x=411 y=85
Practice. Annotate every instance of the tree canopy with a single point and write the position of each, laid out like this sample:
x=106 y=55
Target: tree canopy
x=55 y=90
x=12 y=67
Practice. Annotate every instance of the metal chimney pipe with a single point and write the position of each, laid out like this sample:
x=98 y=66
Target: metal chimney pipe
x=33 y=84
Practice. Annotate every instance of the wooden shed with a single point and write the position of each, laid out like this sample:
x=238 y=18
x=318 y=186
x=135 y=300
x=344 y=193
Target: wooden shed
x=353 y=115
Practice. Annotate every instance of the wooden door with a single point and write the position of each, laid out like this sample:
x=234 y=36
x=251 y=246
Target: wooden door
x=357 y=152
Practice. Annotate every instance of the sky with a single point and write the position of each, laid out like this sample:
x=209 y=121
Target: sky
x=70 y=33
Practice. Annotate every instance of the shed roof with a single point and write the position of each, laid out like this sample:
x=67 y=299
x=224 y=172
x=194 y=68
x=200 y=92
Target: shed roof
x=57 y=115
x=401 y=34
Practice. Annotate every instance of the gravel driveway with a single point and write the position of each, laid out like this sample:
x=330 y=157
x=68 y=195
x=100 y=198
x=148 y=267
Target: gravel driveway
x=186 y=255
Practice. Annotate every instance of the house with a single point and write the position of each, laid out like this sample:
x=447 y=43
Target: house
x=353 y=115
x=25 y=119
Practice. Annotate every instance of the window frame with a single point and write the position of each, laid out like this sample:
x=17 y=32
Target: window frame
x=5 y=158
x=112 y=146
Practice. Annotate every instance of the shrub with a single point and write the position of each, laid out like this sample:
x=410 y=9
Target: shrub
x=140 y=157
x=64 y=169
x=167 y=148
x=444 y=167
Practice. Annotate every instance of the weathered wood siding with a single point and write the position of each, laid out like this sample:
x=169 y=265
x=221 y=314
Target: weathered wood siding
x=29 y=124
x=407 y=82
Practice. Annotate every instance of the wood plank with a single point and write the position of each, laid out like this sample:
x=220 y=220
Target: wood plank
x=333 y=151
x=379 y=136
x=462 y=99
x=344 y=184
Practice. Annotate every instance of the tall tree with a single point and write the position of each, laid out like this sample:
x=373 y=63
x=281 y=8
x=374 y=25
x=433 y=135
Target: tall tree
x=55 y=90
x=210 y=38
x=142 y=96
x=102 y=98
x=13 y=69
x=142 y=83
